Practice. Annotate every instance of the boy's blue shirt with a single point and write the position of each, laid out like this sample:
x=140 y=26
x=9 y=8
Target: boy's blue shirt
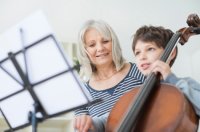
x=189 y=87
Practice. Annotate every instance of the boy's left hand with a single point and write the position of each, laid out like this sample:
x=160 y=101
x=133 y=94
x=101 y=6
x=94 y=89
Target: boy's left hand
x=162 y=68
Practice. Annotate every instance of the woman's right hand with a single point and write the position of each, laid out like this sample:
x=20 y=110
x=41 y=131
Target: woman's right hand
x=83 y=123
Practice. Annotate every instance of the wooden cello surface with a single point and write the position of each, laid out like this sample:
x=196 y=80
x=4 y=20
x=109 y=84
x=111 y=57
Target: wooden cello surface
x=167 y=111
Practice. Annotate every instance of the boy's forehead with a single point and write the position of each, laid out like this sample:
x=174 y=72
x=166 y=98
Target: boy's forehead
x=143 y=44
x=146 y=43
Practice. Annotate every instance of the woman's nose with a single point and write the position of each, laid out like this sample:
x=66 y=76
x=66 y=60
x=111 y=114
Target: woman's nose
x=100 y=47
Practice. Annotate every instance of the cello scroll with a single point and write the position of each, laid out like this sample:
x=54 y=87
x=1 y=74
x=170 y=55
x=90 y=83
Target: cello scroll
x=193 y=22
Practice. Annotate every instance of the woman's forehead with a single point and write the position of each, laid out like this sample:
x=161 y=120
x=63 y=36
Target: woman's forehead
x=104 y=33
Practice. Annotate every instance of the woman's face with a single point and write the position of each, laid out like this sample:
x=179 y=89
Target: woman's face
x=98 y=48
x=146 y=53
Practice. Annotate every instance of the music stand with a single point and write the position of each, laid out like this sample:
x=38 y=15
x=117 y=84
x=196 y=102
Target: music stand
x=38 y=81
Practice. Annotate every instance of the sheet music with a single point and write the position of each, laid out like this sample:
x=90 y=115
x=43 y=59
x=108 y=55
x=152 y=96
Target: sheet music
x=60 y=94
x=8 y=85
x=17 y=107
x=44 y=60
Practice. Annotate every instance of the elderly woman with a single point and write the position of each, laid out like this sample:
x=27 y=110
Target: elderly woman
x=106 y=74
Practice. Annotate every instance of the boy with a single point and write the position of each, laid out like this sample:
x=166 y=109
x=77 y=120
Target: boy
x=148 y=45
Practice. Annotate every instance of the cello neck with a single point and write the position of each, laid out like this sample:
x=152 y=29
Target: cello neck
x=170 y=46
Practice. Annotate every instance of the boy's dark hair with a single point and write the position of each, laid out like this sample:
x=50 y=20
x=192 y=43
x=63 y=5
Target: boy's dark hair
x=159 y=35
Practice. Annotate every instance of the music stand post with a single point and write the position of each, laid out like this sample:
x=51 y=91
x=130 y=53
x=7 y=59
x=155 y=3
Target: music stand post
x=36 y=106
x=33 y=118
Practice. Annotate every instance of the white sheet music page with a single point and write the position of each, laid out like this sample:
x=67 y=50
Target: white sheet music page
x=17 y=108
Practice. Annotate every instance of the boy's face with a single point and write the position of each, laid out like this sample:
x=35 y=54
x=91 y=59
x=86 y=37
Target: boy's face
x=146 y=53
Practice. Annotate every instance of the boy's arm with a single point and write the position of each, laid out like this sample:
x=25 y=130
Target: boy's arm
x=189 y=87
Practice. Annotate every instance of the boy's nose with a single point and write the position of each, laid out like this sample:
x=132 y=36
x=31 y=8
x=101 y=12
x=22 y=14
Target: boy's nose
x=142 y=56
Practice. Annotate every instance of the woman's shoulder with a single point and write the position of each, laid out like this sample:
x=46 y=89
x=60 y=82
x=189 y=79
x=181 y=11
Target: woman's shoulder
x=124 y=72
x=129 y=66
x=133 y=72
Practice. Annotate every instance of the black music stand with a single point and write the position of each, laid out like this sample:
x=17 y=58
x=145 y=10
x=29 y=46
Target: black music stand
x=38 y=80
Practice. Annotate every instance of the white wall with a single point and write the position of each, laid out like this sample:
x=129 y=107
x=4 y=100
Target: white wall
x=125 y=16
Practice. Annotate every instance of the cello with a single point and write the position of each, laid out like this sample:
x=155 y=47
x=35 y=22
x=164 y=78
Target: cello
x=157 y=107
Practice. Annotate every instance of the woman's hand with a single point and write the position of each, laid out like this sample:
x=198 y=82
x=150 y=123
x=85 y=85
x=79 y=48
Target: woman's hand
x=161 y=67
x=83 y=123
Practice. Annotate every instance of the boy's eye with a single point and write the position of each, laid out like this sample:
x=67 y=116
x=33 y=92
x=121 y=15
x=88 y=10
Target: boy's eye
x=151 y=49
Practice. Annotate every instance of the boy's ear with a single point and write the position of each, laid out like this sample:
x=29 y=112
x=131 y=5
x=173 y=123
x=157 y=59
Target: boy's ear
x=173 y=55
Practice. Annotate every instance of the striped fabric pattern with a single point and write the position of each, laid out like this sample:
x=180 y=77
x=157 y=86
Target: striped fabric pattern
x=109 y=96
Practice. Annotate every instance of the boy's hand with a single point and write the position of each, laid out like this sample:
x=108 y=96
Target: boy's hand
x=161 y=67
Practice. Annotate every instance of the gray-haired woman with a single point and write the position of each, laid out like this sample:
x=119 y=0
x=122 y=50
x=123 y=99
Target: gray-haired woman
x=106 y=74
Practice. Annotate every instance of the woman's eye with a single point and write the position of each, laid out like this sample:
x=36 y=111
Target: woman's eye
x=137 y=53
x=105 y=41
x=91 y=45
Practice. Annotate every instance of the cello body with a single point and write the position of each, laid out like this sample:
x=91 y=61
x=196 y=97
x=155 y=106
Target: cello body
x=167 y=110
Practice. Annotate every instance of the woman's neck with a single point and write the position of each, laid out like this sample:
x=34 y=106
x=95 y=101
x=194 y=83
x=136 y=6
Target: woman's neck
x=105 y=72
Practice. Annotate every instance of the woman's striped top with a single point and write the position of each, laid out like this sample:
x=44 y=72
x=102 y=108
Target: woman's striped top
x=110 y=96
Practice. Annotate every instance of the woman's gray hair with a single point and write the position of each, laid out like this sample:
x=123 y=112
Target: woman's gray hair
x=87 y=68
